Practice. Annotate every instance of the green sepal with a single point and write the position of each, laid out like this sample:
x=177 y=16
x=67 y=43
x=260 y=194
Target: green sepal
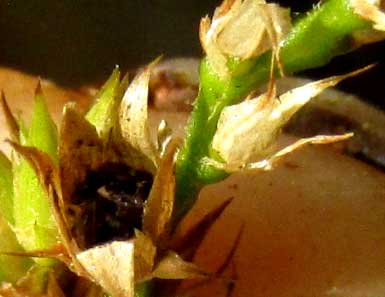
x=34 y=224
x=42 y=133
x=104 y=112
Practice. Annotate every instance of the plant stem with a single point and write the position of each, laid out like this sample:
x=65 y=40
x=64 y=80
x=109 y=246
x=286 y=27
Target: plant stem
x=143 y=289
x=315 y=39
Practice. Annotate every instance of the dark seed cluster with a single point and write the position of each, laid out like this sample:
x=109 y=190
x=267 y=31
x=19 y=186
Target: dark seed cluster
x=113 y=199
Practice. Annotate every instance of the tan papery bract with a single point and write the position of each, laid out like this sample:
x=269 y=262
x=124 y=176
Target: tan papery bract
x=134 y=127
x=160 y=203
x=248 y=130
x=243 y=29
x=258 y=25
x=80 y=150
x=371 y=10
x=172 y=266
x=111 y=265
x=144 y=256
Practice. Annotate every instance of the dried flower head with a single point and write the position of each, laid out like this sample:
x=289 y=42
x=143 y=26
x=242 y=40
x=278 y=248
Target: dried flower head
x=115 y=132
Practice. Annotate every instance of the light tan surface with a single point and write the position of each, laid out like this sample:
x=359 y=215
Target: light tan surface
x=315 y=226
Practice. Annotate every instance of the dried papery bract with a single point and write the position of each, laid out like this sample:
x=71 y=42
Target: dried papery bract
x=112 y=266
x=247 y=131
x=172 y=266
x=371 y=10
x=80 y=150
x=134 y=127
x=144 y=256
x=243 y=29
x=160 y=204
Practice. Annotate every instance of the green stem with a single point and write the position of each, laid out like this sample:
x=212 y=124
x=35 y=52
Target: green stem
x=144 y=289
x=315 y=39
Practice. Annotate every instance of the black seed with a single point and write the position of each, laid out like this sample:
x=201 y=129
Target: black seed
x=113 y=197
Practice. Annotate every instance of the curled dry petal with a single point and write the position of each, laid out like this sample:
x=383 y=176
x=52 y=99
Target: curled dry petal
x=133 y=122
x=111 y=266
x=160 y=203
x=371 y=10
x=248 y=130
x=243 y=29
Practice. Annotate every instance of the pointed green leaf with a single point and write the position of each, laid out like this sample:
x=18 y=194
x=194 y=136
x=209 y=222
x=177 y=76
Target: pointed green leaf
x=6 y=189
x=43 y=132
x=35 y=227
x=103 y=114
x=11 y=268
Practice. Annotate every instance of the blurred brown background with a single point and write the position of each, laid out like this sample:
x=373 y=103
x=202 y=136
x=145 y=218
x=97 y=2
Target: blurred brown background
x=76 y=42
